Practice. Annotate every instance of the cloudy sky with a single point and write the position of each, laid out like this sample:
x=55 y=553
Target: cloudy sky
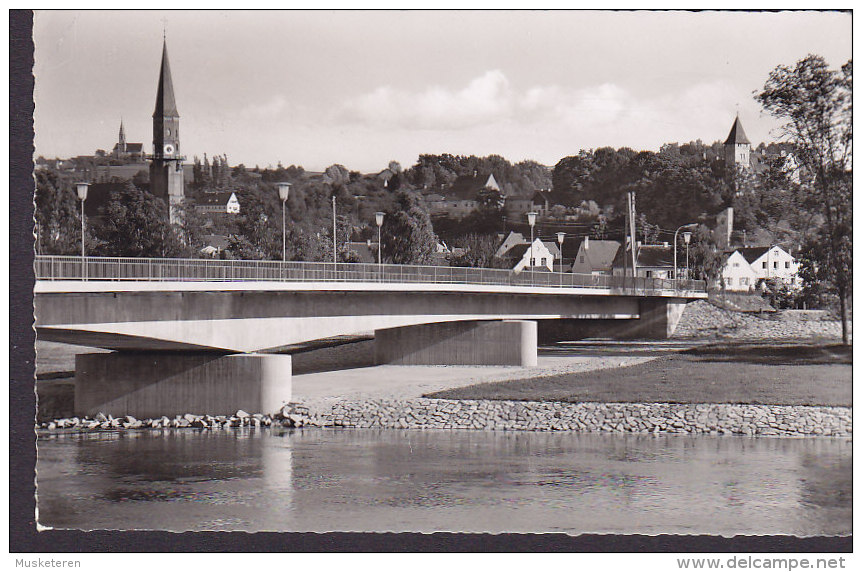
x=366 y=87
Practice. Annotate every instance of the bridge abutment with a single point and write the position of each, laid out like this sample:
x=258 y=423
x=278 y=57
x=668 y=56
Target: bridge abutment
x=152 y=384
x=658 y=319
x=501 y=342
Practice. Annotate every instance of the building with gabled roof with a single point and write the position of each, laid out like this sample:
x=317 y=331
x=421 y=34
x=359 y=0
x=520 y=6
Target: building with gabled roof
x=653 y=261
x=542 y=258
x=595 y=256
x=223 y=202
x=512 y=240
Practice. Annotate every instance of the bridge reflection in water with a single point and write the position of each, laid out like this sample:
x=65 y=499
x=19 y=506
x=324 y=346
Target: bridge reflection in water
x=426 y=481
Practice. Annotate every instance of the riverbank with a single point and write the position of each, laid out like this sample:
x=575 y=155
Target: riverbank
x=488 y=415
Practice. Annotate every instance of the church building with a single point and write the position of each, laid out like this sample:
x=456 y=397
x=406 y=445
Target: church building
x=127 y=152
x=166 y=162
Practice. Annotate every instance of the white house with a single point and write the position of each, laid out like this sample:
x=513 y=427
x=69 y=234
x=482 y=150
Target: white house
x=772 y=262
x=737 y=273
x=542 y=256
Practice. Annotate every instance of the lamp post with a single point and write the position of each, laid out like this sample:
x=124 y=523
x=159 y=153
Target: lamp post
x=561 y=236
x=82 y=195
x=283 y=191
x=378 y=216
x=686 y=236
x=531 y=218
x=689 y=225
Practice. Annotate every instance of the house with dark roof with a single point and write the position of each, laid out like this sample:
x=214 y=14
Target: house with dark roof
x=541 y=202
x=653 y=261
x=512 y=240
x=517 y=207
x=460 y=199
x=224 y=202
x=595 y=256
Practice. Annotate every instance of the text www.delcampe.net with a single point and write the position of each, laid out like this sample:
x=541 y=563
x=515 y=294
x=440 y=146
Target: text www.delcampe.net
x=762 y=562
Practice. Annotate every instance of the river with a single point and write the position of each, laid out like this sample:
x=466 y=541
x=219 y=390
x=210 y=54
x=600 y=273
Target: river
x=425 y=481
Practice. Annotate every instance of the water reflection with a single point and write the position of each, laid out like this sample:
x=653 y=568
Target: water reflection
x=322 y=480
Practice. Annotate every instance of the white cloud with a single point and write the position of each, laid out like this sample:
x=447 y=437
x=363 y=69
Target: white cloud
x=487 y=98
x=264 y=110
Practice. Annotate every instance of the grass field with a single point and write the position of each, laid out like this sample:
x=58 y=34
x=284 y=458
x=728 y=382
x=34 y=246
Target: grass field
x=774 y=374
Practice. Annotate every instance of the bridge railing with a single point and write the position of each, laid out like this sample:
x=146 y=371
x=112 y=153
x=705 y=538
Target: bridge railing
x=213 y=270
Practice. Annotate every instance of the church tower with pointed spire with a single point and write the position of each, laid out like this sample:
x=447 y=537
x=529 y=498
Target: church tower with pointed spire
x=121 y=142
x=737 y=148
x=166 y=166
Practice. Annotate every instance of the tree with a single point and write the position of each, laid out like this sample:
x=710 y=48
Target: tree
x=407 y=234
x=815 y=104
x=58 y=217
x=136 y=224
x=705 y=259
x=479 y=250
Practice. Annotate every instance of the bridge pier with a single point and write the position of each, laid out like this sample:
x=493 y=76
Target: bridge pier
x=500 y=342
x=657 y=320
x=152 y=384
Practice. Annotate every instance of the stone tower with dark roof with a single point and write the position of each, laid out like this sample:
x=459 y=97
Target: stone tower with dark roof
x=166 y=167
x=737 y=148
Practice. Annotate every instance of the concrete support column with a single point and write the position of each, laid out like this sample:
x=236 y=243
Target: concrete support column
x=151 y=384
x=503 y=342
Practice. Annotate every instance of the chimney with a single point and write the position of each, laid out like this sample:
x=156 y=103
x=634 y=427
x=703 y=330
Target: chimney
x=586 y=243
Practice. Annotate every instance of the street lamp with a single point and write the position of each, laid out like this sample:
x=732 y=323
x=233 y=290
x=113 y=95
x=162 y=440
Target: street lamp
x=283 y=191
x=378 y=216
x=686 y=236
x=689 y=225
x=531 y=218
x=82 y=195
x=561 y=236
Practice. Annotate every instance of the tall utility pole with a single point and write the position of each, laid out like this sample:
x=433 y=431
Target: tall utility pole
x=334 y=243
x=632 y=230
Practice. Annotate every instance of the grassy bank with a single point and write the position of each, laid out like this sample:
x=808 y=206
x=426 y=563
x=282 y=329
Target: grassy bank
x=748 y=373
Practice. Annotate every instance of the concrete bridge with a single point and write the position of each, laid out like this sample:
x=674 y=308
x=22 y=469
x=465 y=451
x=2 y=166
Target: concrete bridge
x=215 y=336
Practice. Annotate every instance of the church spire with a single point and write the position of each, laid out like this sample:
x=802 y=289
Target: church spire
x=166 y=105
x=737 y=134
x=122 y=139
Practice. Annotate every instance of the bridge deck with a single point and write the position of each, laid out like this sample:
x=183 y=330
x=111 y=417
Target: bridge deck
x=96 y=274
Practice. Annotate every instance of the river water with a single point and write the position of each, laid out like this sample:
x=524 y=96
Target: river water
x=424 y=481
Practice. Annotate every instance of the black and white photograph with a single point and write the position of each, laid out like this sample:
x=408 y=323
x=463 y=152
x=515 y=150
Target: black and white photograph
x=470 y=271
